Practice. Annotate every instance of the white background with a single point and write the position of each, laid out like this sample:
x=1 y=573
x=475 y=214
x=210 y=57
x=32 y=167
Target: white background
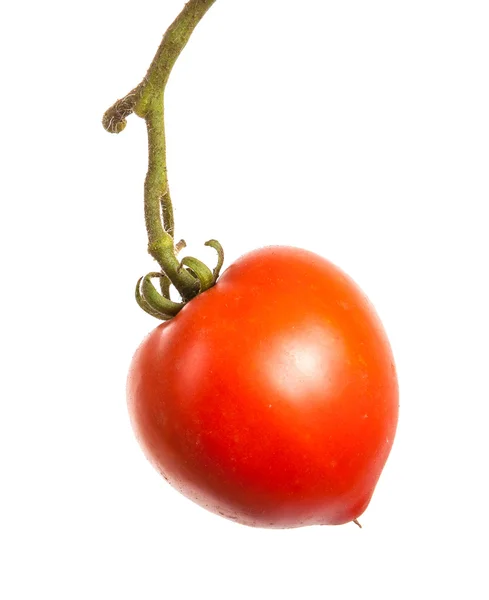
x=357 y=129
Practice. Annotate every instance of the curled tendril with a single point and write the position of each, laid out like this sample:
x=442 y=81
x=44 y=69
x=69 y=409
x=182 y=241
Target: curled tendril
x=154 y=303
x=114 y=119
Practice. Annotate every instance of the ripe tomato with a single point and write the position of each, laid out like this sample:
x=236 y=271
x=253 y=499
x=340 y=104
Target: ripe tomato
x=272 y=398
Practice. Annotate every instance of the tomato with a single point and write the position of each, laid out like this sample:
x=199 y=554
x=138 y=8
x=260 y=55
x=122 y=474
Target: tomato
x=272 y=398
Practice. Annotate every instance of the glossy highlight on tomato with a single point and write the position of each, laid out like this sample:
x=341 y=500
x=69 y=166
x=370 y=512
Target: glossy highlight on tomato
x=272 y=398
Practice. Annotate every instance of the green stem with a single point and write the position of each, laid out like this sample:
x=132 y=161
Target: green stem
x=156 y=188
x=147 y=101
x=174 y=41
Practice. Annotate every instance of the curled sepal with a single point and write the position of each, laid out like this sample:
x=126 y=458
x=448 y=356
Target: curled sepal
x=145 y=306
x=152 y=302
x=220 y=257
x=201 y=272
x=158 y=302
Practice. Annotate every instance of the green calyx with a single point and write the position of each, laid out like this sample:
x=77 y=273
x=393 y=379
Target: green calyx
x=159 y=304
x=189 y=275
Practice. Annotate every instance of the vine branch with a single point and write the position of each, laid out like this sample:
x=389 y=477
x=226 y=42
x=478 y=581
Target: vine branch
x=147 y=101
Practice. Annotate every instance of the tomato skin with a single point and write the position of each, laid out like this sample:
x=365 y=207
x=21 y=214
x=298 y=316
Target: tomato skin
x=272 y=398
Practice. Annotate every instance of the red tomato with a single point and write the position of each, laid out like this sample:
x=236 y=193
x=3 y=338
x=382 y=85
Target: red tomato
x=272 y=398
